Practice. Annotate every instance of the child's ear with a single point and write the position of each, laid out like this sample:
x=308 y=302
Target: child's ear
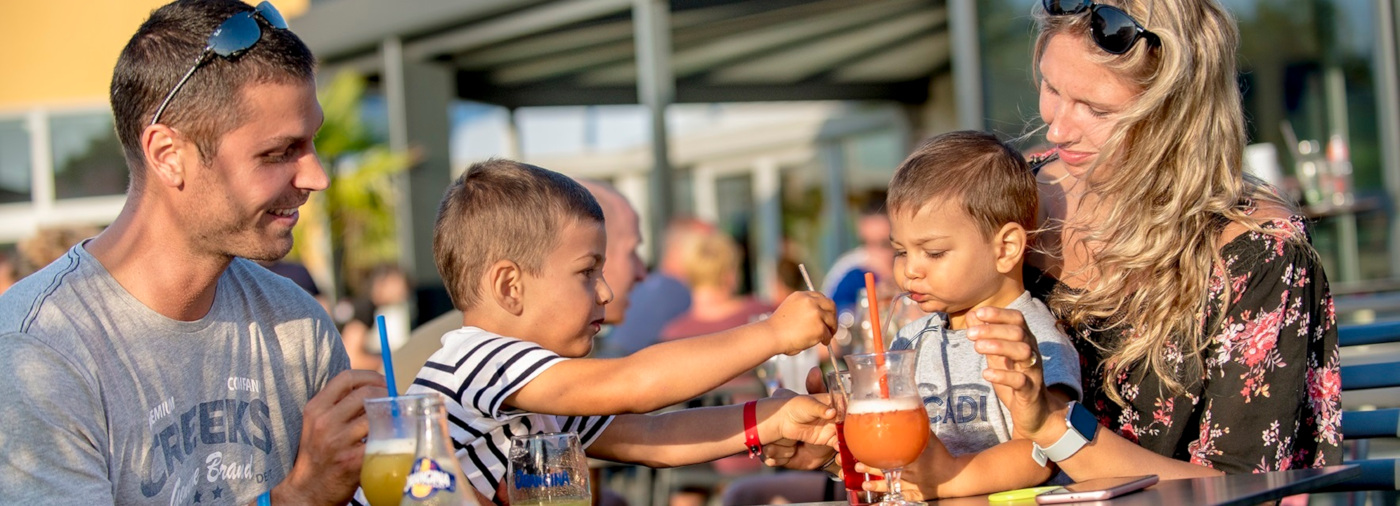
x=505 y=285
x=1010 y=245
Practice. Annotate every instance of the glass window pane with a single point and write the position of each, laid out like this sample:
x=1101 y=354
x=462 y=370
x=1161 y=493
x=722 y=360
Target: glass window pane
x=14 y=162
x=87 y=158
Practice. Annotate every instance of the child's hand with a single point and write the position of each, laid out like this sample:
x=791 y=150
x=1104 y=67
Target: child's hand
x=804 y=320
x=799 y=431
x=796 y=454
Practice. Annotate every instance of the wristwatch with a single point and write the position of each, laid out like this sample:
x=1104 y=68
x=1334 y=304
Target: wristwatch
x=1081 y=427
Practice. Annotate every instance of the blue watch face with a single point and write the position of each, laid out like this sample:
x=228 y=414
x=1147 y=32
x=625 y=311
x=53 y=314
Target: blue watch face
x=1083 y=421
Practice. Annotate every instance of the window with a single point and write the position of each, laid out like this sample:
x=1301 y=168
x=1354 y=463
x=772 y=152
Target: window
x=87 y=158
x=15 y=162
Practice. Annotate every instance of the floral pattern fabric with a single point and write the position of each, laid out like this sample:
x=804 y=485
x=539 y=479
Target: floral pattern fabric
x=1269 y=396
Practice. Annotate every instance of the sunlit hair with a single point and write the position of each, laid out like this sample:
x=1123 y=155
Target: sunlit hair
x=503 y=210
x=712 y=260
x=212 y=102
x=991 y=179
x=1174 y=181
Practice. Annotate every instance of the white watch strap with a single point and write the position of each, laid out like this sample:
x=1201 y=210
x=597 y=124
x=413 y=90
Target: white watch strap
x=1067 y=446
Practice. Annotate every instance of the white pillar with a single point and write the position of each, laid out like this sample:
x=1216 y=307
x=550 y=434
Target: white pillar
x=768 y=234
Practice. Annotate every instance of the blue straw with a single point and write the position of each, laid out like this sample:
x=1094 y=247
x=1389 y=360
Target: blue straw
x=384 y=354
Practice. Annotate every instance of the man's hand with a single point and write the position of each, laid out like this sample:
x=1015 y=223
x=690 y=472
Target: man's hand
x=333 y=429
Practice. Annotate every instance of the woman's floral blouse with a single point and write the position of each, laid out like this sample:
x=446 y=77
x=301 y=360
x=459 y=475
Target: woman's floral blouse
x=1270 y=396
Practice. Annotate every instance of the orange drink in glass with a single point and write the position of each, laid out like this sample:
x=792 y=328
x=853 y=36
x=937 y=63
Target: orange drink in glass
x=885 y=425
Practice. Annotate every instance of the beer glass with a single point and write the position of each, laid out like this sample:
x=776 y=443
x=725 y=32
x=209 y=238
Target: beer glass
x=837 y=384
x=389 y=448
x=885 y=424
x=548 y=470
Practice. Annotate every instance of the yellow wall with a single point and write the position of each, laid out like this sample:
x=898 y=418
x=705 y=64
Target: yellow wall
x=60 y=52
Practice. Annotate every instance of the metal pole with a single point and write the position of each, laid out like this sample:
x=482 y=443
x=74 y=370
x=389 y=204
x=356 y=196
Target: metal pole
x=397 y=102
x=967 y=64
x=656 y=89
x=1388 y=98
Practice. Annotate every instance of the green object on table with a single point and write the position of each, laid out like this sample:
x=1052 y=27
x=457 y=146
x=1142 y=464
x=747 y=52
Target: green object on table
x=1024 y=494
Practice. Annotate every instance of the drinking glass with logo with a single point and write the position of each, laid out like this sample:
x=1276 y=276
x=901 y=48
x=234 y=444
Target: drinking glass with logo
x=885 y=424
x=389 y=448
x=548 y=470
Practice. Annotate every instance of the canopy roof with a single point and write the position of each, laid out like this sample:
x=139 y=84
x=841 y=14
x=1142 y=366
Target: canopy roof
x=582 y=52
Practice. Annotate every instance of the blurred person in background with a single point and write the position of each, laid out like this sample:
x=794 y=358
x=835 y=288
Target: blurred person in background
x=846 y=278
x=662 y=296
x=386 y=293
x=8 y=273
x=623 y=269
x=298 y=273
x=712 y=273
x=47 y=245
x=357 y=331
x=787 y=278
x=148 y=357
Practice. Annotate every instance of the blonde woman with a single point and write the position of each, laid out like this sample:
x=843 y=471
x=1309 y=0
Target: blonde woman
x=1201 y=312
x=712 y=271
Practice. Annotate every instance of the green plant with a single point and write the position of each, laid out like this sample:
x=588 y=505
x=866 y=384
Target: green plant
x=350 y=227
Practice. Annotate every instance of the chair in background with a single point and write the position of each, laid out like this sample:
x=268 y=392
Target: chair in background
x=1362 y=426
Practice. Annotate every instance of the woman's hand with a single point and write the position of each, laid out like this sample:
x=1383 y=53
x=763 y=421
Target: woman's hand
x=1013 y=366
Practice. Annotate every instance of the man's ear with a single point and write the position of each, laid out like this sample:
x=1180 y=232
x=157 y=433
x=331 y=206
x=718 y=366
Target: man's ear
x=1010 y=246
x=505 y=286
x=164 y=150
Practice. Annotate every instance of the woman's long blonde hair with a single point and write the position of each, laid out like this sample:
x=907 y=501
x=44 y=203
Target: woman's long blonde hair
x=1176 y=180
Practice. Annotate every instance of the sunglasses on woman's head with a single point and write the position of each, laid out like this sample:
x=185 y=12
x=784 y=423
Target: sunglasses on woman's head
x=235 y=35
x=1111 y=28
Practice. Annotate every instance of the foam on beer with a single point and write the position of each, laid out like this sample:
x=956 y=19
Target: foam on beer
x=391 y=446
x=883 y=405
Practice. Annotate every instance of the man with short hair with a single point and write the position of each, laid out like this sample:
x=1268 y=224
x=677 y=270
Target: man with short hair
x=156 y=362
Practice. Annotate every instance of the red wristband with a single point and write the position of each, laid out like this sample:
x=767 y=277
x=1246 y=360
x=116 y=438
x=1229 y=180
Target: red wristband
x=751 y=429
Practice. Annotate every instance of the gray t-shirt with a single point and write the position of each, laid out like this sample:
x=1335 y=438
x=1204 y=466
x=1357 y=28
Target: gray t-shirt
x=963 y=411
x=105 y=401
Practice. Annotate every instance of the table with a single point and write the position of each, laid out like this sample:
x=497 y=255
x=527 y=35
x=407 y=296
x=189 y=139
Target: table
x=1348 y=257
x=1230 y=490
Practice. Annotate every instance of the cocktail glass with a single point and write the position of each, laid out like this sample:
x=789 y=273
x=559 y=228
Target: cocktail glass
x=885 y=425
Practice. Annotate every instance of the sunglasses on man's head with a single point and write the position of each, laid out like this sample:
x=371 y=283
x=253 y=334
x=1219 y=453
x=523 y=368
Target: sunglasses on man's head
x=1111 y=28
x=234 y=36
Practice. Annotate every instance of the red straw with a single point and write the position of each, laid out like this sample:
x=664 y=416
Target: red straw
x=875 y=333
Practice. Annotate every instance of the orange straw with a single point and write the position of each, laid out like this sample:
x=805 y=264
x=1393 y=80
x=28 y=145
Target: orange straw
x=875 y=333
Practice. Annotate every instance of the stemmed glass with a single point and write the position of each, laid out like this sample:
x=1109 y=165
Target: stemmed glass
x=885 y=425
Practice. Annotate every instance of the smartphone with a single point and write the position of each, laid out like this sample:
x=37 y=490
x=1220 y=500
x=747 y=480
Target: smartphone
x=1096 y=490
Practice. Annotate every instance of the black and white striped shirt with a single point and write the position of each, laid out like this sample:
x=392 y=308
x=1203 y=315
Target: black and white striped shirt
x=477 y=370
